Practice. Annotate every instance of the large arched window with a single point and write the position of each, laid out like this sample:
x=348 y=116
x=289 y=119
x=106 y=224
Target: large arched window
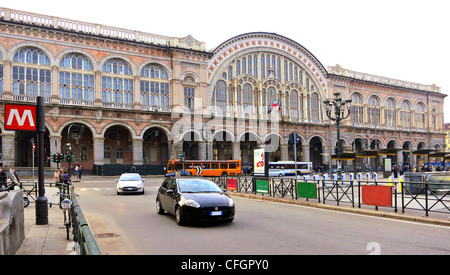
x=117 y=82
x=374 y=111
x=31 y=73
x=155 y=86
x=405 y=114
x=76 y=78
x=256 y=81
x=390 y=114
x=357 y=109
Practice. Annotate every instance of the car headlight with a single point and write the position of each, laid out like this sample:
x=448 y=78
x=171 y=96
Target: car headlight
x=192 y=203
x=230 y=202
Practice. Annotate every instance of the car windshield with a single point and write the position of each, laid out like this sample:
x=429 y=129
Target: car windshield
x=197 y=186
x=130 y=177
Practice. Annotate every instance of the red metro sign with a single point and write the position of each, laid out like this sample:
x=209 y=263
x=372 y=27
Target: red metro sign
x=20 y=117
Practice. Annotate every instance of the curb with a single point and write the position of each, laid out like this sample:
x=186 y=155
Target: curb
x=368 y=212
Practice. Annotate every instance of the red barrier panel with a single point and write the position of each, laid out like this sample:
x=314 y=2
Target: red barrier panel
x=232 y=184
x=377 y=195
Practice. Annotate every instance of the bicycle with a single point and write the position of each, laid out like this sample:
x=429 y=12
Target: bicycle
x=66 y=205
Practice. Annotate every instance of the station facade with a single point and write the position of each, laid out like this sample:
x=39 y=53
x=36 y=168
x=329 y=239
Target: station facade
x=115 y=96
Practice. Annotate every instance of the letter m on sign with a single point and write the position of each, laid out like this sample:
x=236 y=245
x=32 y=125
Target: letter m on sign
x=20 y=117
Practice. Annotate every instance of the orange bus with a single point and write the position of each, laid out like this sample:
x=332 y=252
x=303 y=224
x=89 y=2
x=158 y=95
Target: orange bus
x=208 y=167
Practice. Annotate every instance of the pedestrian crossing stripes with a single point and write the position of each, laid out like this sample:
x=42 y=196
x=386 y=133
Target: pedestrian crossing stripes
x=87 y=189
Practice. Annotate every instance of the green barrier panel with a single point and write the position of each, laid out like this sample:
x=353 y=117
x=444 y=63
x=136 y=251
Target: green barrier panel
x=307 y=190
x=262 y=186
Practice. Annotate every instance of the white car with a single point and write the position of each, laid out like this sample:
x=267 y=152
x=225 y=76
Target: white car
x=130 y=183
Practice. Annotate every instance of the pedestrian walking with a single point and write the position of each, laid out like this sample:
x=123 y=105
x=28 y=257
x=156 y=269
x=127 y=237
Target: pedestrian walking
x=80 y=171
x=61 y=176
x=66 y=177
x=2 y=179
x=14 y=176
x=56 y=177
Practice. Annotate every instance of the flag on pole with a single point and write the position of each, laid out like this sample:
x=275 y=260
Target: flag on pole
x=275 y=104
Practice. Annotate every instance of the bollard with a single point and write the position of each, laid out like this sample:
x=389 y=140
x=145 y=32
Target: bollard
x=400 y=181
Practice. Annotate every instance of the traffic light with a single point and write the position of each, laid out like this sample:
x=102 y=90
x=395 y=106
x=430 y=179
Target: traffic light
x=58 y=157
x=68 y=158
x=53 y=157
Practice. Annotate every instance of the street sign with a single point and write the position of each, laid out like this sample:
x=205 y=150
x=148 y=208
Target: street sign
x=262 y=186
x=20 y=117
x=199 y=170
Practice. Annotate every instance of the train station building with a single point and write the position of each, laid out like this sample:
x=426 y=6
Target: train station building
x=123 y=97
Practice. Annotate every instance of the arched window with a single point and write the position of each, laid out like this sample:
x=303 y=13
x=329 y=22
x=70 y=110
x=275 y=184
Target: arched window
x=220 y=93
x=315 y=107
x=357 y=109
x=32 y=76
x=390 y=114
x=405 y=114
x=294 y=104
x=248 y=99
x=302 y=111
x=154 y=86
x=76 y=78
x=117 y=82
x=420 y=115
x=374 y=111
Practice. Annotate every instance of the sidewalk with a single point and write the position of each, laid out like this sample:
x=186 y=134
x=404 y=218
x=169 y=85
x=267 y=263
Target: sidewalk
x=47 y=239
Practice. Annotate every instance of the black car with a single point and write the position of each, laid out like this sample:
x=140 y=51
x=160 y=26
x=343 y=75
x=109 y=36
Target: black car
x=194 y=200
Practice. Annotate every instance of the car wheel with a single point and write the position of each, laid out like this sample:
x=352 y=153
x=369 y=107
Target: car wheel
x=159 y=209
x=179 y=217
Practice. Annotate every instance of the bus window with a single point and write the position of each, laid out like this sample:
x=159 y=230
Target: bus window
x=178 y=166
x=206 y=166
x=232 y=165
x=223 y=166
x=214 y=166
x=188 y=166
x=303 y=166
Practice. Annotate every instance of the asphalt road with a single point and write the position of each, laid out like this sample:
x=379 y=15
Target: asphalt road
x=129 y=224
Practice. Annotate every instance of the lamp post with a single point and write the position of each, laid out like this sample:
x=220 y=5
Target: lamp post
x=340 y=107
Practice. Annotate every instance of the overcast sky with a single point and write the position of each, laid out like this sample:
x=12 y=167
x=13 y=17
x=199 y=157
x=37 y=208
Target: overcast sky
x=406 y=40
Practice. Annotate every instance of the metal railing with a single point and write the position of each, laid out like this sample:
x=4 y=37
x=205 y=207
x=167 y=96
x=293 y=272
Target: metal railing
x=420 y=196
x=82 y=234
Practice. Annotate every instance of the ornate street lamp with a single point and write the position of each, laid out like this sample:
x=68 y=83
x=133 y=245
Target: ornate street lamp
x=340 y=107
